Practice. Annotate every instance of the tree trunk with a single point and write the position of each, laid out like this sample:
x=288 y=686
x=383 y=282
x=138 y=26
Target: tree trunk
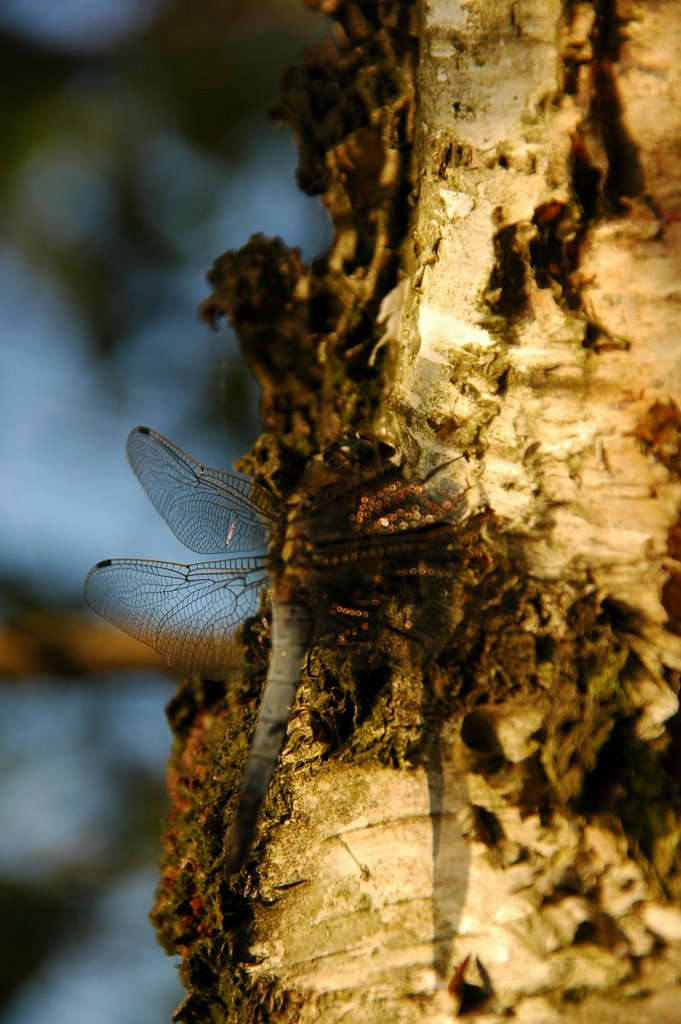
x=495 y=833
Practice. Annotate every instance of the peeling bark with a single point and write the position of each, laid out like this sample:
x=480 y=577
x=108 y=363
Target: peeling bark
x=485 y=823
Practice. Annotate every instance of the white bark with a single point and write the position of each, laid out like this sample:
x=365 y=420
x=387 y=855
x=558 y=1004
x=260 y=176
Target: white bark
x=393 y=893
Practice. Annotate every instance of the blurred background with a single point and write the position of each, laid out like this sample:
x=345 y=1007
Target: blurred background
x=135 y=149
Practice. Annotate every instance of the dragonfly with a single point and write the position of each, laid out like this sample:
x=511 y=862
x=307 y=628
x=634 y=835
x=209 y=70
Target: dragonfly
x=324 y=552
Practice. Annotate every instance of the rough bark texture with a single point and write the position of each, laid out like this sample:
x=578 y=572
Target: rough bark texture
x=485 y=824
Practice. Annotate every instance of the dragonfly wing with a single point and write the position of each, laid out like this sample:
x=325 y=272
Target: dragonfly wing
x=186 y=612
x=207 y=510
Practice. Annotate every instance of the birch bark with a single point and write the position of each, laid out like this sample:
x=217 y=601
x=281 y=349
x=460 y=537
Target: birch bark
x=501 y=836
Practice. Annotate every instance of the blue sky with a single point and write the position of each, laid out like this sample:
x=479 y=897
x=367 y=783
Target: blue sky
x=70 y=750
x=69 y=497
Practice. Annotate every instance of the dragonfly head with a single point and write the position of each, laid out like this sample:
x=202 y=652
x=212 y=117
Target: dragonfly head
x=357 y=452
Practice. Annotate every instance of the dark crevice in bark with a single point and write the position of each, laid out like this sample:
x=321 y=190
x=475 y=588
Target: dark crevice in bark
x=606 y=171
x=507 y=290
x=624 y=177
x=554 y=251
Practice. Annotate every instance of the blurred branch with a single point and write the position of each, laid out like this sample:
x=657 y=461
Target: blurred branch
x=50 y=643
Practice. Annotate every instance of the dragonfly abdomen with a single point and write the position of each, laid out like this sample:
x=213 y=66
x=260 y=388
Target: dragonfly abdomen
x=291 y=633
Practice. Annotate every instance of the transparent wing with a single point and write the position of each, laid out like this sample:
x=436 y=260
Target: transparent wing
x=187 y=612
x=208 y=510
